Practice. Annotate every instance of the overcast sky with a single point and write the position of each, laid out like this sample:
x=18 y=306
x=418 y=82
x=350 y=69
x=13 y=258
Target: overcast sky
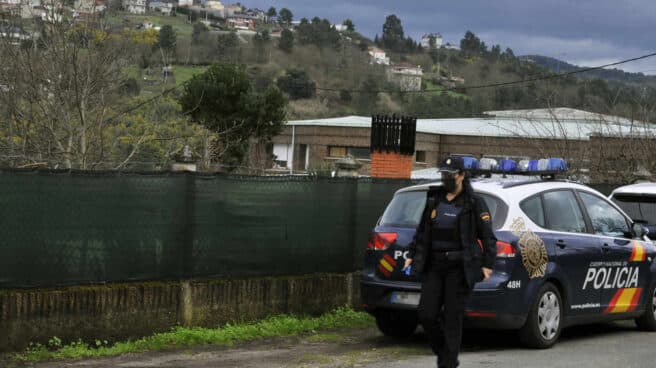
x=582 y=32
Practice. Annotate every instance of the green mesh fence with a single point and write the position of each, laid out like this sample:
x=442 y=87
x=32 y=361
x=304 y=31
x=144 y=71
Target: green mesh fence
x=64 y=228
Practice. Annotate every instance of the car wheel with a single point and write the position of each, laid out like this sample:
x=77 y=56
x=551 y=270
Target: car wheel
x=543 y=325
x=394 y=323
x=647 y=322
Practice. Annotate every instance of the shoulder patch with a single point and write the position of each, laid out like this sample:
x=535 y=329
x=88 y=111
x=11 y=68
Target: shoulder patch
x=485 y=216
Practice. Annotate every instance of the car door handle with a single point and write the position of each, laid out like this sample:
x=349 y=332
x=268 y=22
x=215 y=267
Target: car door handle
x=605 y=248
x=561 y=244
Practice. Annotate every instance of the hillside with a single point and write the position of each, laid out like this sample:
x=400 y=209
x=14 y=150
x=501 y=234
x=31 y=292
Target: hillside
x=341 y=78
x=609 y=75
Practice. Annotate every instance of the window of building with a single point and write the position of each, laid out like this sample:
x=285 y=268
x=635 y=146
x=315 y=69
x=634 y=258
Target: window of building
x=336 y=151
x=361 y=153
x=420 y=156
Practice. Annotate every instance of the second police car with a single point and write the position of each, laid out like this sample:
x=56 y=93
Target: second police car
x=566 y=255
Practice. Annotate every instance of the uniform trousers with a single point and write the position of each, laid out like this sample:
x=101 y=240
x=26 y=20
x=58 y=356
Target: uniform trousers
x=444 y=292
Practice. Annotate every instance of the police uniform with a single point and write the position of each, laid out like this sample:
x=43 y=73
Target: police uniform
x=447 y=254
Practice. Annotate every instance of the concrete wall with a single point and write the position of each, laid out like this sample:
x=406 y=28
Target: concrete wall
x=119 y=311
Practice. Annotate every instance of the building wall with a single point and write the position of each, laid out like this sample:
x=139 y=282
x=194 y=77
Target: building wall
x=432 y=147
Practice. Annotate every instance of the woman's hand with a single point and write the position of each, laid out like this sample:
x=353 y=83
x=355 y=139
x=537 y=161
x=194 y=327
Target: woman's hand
x=407 y=264
x=487 y=272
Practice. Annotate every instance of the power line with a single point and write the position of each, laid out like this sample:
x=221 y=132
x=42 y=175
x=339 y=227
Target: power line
x=494 y=85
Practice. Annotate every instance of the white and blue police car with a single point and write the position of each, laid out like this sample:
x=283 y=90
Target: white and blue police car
x=566 y=255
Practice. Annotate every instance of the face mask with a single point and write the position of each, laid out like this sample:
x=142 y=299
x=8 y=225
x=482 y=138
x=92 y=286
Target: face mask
x=449 y=184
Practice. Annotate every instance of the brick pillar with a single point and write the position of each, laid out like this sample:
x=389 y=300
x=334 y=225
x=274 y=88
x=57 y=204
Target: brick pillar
x=390 y=165
x=392 y=146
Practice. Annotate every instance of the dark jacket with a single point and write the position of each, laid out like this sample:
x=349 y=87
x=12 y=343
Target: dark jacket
x=474 y=223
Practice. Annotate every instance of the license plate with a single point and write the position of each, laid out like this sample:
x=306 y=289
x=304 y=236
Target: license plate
x=401 y=297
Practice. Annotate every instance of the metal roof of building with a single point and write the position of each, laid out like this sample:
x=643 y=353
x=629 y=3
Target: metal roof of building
x=555 y=123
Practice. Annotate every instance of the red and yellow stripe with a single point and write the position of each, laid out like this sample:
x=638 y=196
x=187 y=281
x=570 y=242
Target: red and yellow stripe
x=638 y=254
x=386 y=265
x=624 y=300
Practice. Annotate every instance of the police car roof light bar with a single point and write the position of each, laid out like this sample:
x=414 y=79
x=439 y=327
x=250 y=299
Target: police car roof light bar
x=546 y=169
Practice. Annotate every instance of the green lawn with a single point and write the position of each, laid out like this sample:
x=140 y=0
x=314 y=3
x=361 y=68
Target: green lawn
x=179 y=23
x=437 y=87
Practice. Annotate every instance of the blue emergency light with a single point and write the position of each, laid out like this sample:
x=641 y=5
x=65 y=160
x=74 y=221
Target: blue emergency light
x=546 y=167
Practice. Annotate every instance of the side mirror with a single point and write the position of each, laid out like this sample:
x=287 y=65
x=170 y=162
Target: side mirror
x=639 y=230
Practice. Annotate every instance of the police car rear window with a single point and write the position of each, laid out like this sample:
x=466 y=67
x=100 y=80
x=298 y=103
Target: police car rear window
x=406 y=208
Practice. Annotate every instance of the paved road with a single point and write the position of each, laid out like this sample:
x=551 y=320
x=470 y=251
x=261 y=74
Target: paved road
x=598 y=346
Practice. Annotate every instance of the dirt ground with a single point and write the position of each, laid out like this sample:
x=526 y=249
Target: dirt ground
x=337 y=348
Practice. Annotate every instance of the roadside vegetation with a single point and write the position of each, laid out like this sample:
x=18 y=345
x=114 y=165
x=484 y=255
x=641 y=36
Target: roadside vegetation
x=183 y=337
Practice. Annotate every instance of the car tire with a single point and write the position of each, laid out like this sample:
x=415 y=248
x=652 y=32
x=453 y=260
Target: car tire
x=647 y=321
x=543 y=325
x=396 y=323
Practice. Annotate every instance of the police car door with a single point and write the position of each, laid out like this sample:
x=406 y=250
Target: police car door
x=624 y=273
x=575 y=249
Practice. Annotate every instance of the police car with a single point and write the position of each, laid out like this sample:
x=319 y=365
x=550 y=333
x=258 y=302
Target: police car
x=639 y=202
x=566 y=255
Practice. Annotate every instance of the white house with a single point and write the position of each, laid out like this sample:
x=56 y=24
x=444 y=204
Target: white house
x=378 y=56
x=163 y=7
x=183 y=3
x=135 y=6
x=406 y=76
x=425 y=40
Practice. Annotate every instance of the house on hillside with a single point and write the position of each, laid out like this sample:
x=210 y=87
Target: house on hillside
x=185 y=3
x=378 y=56
x=232 y=10
x=163 y=7
x=241 y=22
x=407 y=76
x=258 y=14
x=135 y=6
x=89 y=6
x=425 y=40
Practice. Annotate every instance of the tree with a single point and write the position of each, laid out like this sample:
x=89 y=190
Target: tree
x=286 y=16
x=286 y=42
x=223 y=100
x=349 y=25
x=167 y=38
x=260 y=41
x=199 y=30
x=228 y=45
x=297 y=84
x=57 y=100
x=393 y=37
x=272 y=12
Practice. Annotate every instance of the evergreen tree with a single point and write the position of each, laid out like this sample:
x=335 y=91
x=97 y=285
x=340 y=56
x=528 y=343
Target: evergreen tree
x=286 y=42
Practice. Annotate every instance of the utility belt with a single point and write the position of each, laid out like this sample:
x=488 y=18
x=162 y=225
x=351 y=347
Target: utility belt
x=448 y=255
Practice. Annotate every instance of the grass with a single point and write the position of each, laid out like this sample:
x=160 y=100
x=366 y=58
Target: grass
x=437 y=87
x=180 y=337
x=179 y=23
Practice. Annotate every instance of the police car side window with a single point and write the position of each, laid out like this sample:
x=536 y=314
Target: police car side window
x=606 y=220
x=563 y=212
x=532 y=207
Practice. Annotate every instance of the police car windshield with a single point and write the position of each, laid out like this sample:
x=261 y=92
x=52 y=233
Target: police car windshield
x=406 y=207
x=638 y=207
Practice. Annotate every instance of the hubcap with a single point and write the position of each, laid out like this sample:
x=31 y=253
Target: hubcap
x=549 y=315
x=653 y=304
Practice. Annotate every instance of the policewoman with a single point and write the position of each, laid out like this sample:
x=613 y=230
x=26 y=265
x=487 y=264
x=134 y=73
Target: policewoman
x=449 y=258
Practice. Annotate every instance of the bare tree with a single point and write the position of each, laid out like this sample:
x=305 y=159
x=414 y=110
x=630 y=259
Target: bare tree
x=59 y=88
